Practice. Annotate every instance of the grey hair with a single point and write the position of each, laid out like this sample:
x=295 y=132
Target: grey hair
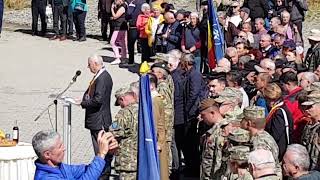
x=231 y=50
x=266 y=36
x=261 y=158
x=222 y=14
x=194 y=14
x=311 y=77
x=260 y=20
x=285 y=12
x=268 y=63
x=43 y=141
x=278 y=20
x=176 y=53
x=96 y=58
x=134 y=87
x=299 y=156
x=144 y=7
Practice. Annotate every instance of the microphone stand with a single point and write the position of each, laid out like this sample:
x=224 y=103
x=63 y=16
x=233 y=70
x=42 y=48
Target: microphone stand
x=55 y=103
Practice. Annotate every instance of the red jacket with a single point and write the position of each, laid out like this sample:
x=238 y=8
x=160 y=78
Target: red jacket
x=293 y=106
x=141 y=23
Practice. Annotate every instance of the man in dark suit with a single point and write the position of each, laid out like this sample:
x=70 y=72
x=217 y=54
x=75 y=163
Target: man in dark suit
x=171 y=32
x=96 y=100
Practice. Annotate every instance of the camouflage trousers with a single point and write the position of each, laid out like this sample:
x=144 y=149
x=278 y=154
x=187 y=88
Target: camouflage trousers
x=127 y=175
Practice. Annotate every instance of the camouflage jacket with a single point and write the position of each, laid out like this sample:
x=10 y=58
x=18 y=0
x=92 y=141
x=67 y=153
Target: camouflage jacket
x=127 y=134
x=264 y=140
x=166 y=92
x=212 y=165
x=311 y=140
x=245 y=176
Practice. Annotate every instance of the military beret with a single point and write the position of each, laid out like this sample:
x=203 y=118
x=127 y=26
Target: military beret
x=206 y=103
x=254 y=112
x=161 y=65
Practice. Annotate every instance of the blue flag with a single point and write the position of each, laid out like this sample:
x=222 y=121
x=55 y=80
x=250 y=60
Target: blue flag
x=215 y=29
x=148 y=159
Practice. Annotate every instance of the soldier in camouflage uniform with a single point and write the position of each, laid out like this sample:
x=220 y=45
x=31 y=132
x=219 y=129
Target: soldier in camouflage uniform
x=125 y=129
x=311 y=135
x=230 y=99
x=239 y=163
x=213 y=164
x=254 y=121
x=161 y=71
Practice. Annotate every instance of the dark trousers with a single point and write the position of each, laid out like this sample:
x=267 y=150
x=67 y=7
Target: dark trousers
x=105 y=21
x=108 y=158
x=1 y=14
x=187 y=141
x=79 y=18
x=60 y=13
x=132 y=38
x=70 y=22
x=145 y=50
x=38 y=7
x=69 y=27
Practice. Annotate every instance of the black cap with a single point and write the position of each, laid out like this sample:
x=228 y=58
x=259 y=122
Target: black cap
x=204 y=3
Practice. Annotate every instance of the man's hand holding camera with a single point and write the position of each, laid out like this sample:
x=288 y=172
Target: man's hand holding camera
x=107 y=143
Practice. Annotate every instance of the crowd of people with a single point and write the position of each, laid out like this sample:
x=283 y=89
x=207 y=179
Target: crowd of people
x=254 y=116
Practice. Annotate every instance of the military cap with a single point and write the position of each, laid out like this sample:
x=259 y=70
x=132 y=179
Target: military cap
x=120 y=92
x=161 y=65
x=239 y=135
x=313 y=87
x=312 y=98
x=206 y=103
x=239 y=153
x=160 y=57
x=229 y=94
x=254 y=112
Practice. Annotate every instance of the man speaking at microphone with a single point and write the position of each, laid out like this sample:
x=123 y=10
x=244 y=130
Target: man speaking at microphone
x=96 y=102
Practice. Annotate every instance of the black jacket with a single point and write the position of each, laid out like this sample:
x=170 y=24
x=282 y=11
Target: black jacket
x=98 y=105
x=277 y=129
x=192 y=96
x=134 y=9
x=258 y=8
x=173 y=41
x=178 y=80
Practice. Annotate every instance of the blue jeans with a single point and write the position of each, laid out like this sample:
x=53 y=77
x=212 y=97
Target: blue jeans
x=197 y=60
x=1 y=14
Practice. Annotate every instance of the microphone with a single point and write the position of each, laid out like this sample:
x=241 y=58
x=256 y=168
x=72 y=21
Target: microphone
x=76 y=75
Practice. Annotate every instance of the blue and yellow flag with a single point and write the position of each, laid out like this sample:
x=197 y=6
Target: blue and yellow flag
x=215 y=37
x=148 y=159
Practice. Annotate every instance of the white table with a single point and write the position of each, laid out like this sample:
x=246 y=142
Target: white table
x=17 y=162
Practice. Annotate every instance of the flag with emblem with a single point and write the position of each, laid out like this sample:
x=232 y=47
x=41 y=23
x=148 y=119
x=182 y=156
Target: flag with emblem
x=148 y=159
x=215 y=37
